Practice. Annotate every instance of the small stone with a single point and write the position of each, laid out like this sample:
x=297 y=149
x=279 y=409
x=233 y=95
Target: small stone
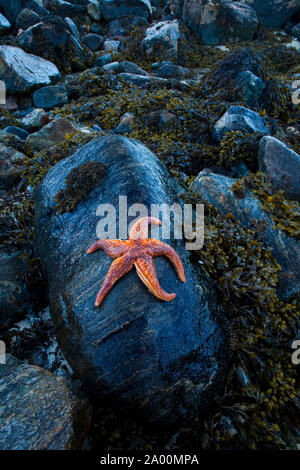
x=11 y=167
x=27 y=18
x=281 y=164
x=34 y=120
x=173 y=71
x=21 y=133
x=113 y=67
x=55 y=132
x=252 y=87
x=103 y=60
x=126 y=124
x=72 y=27
x=239 y=118
x=50 y=96
x=163 y=37
x=111 y=45
x=94 y=41
x=130 y=67
x=93 y=10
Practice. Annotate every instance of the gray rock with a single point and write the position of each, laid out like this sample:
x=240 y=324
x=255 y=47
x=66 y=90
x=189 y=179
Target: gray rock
x=72 y=27
x=55 y=132
x=125 y=125
x=18 y=131
x=216 y=189
x=165 y=360
x=63 y=8
x=124 y=25
x=274 y=13
x=49 y=97
x=22 y=72
x=4 y=24
x=173 y=71
x=296 y=31
x=27 y=18
x=13 y=292
x=112 y=46
x=162 y=37
x=95 y=42
x=93 y=10
x=251 y=86
x=113 y=9
x=239 y=118
x=130 y=67
x=35 y=119
x=112 y=67
x=221 y=21
x=103 y=60
x=40 y=411
x=142 y=80
x=282 y=165
x=52 y=40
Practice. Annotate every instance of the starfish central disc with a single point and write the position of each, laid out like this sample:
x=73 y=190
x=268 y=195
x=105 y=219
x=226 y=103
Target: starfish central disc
x=137 y=251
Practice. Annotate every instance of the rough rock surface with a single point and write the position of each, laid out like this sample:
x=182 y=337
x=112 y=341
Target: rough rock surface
x=163 y=36
x=281 y=164
x=216 y=189
x=113 y=9
x=217 y=22
x=162 y=359
x=39 y=411
x=10 y=166
x=22 y=72
x=239 y=118
x=54 y=132
x=50 y=96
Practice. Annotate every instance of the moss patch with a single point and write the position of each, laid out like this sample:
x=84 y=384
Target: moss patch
x=79 y=183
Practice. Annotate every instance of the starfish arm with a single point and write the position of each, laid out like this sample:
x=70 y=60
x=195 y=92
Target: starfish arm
x=113 y=248
x=159 y=248
x=140 y=229
x=118 y=268
x=147 y=273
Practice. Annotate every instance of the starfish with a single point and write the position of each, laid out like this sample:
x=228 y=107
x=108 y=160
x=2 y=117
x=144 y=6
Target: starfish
x=137 y=251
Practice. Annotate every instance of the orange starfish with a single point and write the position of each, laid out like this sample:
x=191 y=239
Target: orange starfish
x=137 y=251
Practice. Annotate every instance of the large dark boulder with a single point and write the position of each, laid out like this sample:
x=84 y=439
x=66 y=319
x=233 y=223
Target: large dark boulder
x=40 y=411
x=217 y=190
x=221 y=21
x=164 y=360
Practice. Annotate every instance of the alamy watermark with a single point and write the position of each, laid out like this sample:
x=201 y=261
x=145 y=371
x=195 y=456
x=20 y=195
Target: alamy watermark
x=186 y=221
x=296 y=93
x=2 y=352
x=296 y=353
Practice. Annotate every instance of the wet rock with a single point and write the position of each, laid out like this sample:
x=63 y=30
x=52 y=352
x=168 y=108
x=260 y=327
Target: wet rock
x=63 y=8
x=4 y=24
x=281 y=164
x=274 y=13
x=13 y=293
x=93 y=10
x=49 y=97
x=72 y=28
x=11 y=168
x=217 y=190
x=221 y=21
x=251 y=86
x=239 y=118
x=113 y=9
x=162 y=359
x=52 y=40
x=125 y=125
x=43 y=412
x=112 y=46
x=103 y=60
x=55 y=132
x=130 y=67
x=27 y=18
x=296 y=31
x=94 y=41
x=112 y=67
x=124 y=25
x=172 y=71
x=35 y=119
x=18 y=131
x=142 y=80
x=22 y=72
x=162 y=38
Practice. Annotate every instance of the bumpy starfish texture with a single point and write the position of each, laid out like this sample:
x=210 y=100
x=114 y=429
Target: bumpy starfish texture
x=137 y=251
